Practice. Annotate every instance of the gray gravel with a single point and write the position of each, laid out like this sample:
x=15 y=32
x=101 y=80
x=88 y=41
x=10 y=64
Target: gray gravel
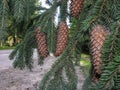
x=15 y=79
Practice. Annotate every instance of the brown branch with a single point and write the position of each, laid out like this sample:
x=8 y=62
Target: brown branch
x=101 y=9
x=112 y=47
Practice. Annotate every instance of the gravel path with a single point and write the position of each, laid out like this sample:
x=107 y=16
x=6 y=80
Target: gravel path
x=15 y=79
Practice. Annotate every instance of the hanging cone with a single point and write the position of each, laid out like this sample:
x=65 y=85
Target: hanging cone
x=97 y=37
x=62 y=38
x=41 y=43
x=76 y=7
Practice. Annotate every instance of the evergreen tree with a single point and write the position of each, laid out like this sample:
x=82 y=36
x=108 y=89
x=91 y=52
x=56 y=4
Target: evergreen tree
x=87 y=15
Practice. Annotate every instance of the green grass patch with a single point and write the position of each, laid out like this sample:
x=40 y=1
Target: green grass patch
x=6 y=48
x=85 y=64
x=85 y=60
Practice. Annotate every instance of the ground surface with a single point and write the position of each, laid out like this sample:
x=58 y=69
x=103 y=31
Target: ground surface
x=15 y=79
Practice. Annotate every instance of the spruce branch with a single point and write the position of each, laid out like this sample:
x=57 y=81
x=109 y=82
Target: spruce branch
x=110 y=72
x=23 y=53
x=110 y=68
x=94 y=12
x=113 y=47
x=14 y=52
x=47 y=24
x=109 y=48
x=19 y=10
x=19 y=59
x=4 y=9
x=117 y=81
x=99 y=13
x=29 y=45
x=63 y=10
x=60 y=64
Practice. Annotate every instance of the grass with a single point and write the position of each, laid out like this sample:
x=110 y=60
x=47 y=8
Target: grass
x=6 y=48
x=85 y=64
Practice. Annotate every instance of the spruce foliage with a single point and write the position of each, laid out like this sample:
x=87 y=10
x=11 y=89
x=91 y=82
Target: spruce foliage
x=27 y=15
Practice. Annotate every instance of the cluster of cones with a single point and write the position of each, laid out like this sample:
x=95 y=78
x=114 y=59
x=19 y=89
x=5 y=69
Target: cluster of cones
x=62 y=38
x=62 y=34
x=97 y=38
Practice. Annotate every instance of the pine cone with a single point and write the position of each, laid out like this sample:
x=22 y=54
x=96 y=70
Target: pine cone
x=41 y=43
x=62 y=38
x=97 y=37
x=76 y=7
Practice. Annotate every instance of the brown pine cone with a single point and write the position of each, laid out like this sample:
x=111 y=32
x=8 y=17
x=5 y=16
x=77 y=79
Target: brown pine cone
x=76 y=7
x=62 y=38
x=97 y=38
x=41 y=43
